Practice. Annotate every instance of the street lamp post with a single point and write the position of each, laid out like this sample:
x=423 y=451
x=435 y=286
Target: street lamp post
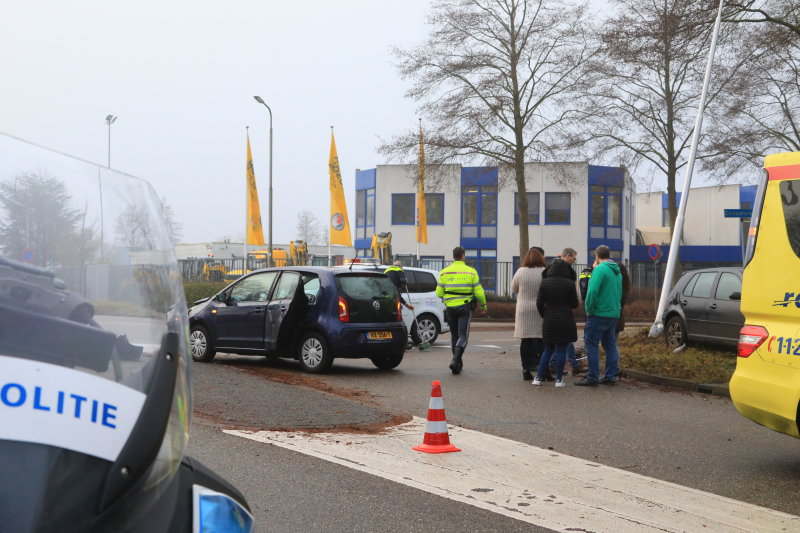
x=110 y=119
x=260 y=101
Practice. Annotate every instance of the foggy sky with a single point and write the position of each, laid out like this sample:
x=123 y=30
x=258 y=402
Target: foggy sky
x=181 y=76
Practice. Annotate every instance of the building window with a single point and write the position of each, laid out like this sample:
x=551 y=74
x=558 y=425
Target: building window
x=605 y=217
x=361 y=207
x=665 y=217
x=479 y=212
x=365 y=213
x=533 y=208
x=403 y=209
x=557 y=207
x=434 y=209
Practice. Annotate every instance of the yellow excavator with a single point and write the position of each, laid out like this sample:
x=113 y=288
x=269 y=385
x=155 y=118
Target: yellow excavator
x=298 y=252
x=382 y=247
x=214 y=270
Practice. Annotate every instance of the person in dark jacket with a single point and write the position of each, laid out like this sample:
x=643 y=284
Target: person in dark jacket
x=556 y=299
x=397 y=276
x=569 y=256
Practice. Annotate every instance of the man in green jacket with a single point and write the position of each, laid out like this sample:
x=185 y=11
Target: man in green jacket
x=602 y=306
x=459 y=288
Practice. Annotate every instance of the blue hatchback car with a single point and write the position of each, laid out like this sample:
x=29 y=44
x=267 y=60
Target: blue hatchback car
x=312 y=314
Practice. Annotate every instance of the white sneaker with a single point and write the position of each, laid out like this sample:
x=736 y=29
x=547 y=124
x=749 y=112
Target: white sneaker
x=537 y=381
x=560 y=383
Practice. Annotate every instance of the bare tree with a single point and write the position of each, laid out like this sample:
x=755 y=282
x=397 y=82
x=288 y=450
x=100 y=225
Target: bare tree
x=782 y=13
x=647 y=84
x=175 y=227
x=760 y=113
x=50 y=216
x=133 y=228
x=310 y=229
x=496 y=81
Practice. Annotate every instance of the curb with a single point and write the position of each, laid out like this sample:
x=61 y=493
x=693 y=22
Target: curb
x=717 y=389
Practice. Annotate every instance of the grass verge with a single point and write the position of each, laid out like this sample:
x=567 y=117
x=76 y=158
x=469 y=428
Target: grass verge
x=698 y=362
x=123 y=309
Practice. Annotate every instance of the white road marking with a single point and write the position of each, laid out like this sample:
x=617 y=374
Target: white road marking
x=531 y=484
x=486 y=346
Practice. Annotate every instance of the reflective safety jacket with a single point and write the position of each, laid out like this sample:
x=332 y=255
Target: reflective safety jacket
x=583 y=284
x=458 y=283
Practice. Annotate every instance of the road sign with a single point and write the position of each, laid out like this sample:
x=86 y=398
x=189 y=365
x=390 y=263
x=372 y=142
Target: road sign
x=738 y=213
x=655 y=253
x=27 y=255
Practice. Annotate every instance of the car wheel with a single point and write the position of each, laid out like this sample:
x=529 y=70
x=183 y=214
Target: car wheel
x=675 y=332
x=387 y=363
x=314 y=355
x=200 y=345
x=427 y=330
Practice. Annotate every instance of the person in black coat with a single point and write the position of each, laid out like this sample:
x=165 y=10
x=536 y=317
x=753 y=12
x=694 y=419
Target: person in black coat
x=556 y=299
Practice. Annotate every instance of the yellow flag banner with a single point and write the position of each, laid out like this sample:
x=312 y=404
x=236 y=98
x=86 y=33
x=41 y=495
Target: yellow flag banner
x=339 y=224
x=255 y=234
x=422 y=218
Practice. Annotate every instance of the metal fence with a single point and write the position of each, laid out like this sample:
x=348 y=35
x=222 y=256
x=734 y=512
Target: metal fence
x=646 y=279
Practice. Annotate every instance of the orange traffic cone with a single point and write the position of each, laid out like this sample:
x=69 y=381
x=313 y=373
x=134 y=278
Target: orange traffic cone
x=436 y=440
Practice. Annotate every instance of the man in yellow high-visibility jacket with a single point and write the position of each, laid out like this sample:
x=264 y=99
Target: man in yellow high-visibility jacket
x=460 y=290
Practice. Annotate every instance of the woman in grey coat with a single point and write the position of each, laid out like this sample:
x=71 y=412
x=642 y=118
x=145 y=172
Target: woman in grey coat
x=528 y=321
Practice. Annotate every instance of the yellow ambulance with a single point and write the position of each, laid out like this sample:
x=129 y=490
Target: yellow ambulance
x=766 y=385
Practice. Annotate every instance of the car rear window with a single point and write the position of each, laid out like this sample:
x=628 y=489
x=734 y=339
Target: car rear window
x=790 y=198
x=702 y=288
x=370 y=297
x=727 y=285
x=689 y=286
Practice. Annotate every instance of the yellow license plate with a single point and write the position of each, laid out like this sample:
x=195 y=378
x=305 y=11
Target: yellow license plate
x=379 y=335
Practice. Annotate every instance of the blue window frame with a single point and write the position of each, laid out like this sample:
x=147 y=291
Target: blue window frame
x=485 y=262
x=365 y=213
x=533 y=208
x=479 y=211
x=557 y=208
x=605 y=212
x=434 y=209
x=403 y=209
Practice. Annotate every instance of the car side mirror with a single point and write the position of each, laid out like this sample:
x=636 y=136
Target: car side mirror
x=736 y=296
x=222 y=298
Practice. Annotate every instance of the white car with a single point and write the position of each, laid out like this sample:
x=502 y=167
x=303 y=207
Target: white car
x=427 y=306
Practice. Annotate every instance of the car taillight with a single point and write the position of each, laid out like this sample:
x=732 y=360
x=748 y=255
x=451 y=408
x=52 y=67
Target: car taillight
x=750 y=338
x=399 y=312
x=344 y=312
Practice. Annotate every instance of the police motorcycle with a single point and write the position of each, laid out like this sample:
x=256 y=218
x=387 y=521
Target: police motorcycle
x=95 y=386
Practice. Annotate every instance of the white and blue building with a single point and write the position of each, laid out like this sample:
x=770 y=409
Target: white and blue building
x=574 y=205
x=709 y=237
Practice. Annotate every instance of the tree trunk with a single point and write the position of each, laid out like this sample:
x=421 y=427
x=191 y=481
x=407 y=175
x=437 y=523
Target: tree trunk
x=522 y=207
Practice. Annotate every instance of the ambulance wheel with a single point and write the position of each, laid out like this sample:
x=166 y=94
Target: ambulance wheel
x=428 y=330
x=200 y=345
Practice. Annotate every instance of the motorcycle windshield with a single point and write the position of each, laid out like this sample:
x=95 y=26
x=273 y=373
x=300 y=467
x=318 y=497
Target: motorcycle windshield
x=95 y=383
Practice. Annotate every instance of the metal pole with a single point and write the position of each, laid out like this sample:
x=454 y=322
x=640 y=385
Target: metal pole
x=657 y=328
x=109 y=144
x=270 y=262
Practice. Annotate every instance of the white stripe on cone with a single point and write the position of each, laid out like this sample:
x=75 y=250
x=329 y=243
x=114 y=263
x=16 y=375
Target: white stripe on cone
x=436 y=427
x=436 y=403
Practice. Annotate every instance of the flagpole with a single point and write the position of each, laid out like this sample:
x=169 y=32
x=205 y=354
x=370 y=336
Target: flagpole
x=246 y=209
x=330 y=228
